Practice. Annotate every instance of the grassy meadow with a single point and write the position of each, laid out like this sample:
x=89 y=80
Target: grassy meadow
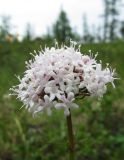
x=98 y=125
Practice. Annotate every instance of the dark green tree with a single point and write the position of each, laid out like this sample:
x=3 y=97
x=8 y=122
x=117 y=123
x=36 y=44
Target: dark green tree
x=106 y=20
x=111 y=13
x=62 y=30
x=99 y=34
x=122 y=29
x=114 y=12
x=28 y=32
x=5 y=27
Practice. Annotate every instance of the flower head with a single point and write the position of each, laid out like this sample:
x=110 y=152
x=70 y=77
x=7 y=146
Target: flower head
x=57 y=76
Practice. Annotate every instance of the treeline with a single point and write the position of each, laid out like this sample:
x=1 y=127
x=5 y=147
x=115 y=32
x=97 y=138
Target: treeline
x=111 y=29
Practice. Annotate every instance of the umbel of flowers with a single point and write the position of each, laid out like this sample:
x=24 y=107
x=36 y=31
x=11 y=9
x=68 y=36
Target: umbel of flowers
x=56 y=76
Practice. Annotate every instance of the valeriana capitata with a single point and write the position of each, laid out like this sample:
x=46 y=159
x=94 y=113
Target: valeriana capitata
x=55 y=77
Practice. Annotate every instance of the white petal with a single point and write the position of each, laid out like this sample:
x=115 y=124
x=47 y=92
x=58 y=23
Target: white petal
x=40 y=108
x=69 y=89
x=62 y=86
x=60 y=105
x=74 y=105
x=47 y=89
x=47 y=99
x=52 y=97
x=82 y=85
x=70 y=96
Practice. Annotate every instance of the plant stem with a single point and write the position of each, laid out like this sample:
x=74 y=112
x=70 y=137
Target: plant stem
x=71 y=137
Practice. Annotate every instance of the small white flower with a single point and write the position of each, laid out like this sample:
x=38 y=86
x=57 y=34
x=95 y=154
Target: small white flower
x=67 y=103
x=57 y=76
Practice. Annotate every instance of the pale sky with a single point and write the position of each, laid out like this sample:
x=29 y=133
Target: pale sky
x=43 y=13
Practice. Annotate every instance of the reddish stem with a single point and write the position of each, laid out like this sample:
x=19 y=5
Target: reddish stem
x=70 y=136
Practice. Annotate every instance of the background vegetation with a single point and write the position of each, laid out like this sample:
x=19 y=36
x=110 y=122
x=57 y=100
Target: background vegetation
x=98 y=125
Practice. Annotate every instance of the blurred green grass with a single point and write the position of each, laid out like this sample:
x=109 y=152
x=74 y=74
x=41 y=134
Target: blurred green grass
x=98 y=125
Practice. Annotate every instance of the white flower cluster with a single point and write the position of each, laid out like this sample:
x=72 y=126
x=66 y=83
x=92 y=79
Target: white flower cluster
x=57 y=76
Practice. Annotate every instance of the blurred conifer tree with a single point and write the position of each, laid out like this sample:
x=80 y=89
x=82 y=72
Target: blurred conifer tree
x=122 y=29
x=5 y=27
x=62 y=30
